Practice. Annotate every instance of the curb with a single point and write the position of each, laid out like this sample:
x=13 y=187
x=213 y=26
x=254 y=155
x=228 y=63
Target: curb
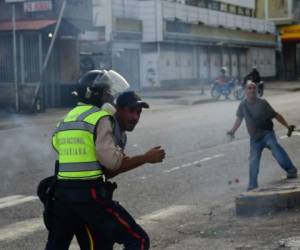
x=268 y=200
x=189 y=102
x=295 y=89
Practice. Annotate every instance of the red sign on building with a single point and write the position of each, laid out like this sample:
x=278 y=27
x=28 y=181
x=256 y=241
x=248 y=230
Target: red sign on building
x=37 y=6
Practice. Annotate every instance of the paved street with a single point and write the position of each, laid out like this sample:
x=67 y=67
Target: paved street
x=187 y=202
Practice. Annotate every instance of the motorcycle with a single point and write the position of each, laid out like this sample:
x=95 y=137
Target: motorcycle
x=217 y=89
x=239 y=92
x=260 y=88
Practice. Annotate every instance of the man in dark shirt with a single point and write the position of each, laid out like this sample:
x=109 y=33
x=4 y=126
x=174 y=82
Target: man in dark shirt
x=258 y=115
x=254 y=75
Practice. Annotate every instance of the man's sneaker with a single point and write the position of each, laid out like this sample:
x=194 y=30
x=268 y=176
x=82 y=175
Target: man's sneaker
x=292 y=176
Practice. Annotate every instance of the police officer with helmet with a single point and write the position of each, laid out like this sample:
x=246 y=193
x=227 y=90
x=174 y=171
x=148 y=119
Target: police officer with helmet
x=89 y=142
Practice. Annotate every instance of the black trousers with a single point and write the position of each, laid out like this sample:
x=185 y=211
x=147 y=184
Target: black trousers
x=97 y=224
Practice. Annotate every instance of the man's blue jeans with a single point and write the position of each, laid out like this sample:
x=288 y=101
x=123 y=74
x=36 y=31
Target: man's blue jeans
x=256 y=147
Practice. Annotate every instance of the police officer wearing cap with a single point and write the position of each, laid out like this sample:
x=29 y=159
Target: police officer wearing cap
x=89 y=142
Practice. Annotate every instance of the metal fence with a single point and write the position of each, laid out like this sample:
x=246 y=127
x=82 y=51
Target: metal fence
x=6 y=58
x=28 y=63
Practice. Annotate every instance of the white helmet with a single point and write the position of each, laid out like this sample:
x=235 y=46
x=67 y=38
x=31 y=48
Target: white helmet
x=116 y=83
x=93 y=83
x=224 y=69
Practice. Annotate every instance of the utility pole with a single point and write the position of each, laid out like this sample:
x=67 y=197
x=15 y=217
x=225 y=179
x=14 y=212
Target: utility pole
x=15 y=58
x=15 y=64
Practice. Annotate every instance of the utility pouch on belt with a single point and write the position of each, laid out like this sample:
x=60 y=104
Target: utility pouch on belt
x=45 y=192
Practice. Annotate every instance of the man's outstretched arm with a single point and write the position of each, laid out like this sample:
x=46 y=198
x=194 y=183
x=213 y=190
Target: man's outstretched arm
x=281 y=120
x=236 y=125
x=154 y=155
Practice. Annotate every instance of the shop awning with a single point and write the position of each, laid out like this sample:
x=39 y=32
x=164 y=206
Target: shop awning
x=26 y=24
x=290 y=33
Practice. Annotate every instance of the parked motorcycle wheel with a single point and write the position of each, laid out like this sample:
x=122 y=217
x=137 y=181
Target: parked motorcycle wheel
x=215 y=93
x=260 y=89
x=239 y=93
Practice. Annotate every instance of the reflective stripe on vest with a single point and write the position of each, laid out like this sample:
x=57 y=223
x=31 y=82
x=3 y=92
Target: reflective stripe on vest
x=74 y=142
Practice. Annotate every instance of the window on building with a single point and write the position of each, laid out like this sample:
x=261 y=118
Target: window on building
x=232 y=9
x=178 y=27
x=202 y=3
x=224 y=7
x=241 y=11
x=213 y=5
x=248 y=12
x=296 y=9
x=192 y=2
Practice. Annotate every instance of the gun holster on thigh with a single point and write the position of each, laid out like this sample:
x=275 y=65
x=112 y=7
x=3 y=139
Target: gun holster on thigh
x=45 y=192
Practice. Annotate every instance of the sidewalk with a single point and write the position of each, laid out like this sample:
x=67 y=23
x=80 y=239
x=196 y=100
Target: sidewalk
x=195 y=95
x=283 y=85
x=158 y=99
x=190 y=96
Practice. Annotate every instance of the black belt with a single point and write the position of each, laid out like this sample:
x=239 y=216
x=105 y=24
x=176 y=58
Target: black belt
x=79 y=183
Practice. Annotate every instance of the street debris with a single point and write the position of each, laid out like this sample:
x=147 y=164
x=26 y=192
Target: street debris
x=292 y=243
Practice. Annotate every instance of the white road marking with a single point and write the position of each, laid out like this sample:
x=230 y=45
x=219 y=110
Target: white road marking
x=172 y=169
x=163 y=214
x=15 y=200
x=8 y=198
x=193 y=163
x=27 y=227
x=285 y=136
x=21 y=229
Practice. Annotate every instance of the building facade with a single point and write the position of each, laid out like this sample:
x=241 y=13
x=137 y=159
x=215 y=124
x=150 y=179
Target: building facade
x=285 y=14
x=157 y=43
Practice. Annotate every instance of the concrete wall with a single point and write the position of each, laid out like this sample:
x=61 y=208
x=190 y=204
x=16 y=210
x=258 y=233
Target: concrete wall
x=154 y=13
x=102 y=16
x=181 y=56
x=177 y=65
x=192 y=14
x=149 y=70
x=233 y=35
x=126 y=8
x=178 y=62
x=264 y=59
x=151 y=15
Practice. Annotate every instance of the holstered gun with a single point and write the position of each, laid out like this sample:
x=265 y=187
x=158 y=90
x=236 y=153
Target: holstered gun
x=107 y=190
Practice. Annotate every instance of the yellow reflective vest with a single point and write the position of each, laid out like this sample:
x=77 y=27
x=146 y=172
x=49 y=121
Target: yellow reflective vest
x=75 y=143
